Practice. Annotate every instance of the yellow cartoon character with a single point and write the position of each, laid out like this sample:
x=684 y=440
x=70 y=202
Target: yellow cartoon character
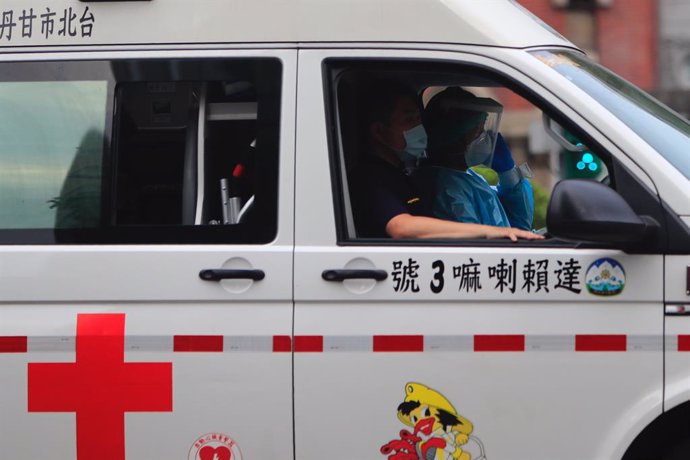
x=436 y=423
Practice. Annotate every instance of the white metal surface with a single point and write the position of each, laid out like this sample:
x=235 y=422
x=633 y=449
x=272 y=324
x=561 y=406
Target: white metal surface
x=213 y=392
x=677 y=375
x=227 y=388
x=676 y=279
x=525 y=403
x=486 y=22
x=552 y=398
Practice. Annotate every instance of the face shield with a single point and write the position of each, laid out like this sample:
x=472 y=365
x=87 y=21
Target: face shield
x=478 y=122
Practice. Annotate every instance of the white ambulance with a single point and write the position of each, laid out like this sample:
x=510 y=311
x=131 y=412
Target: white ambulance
x=181 y=276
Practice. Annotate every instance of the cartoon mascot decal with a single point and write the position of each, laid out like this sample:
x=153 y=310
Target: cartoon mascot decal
x=439 y=432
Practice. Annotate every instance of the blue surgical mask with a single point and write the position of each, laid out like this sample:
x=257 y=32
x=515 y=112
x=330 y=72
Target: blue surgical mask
x=480 y=151
x=415 y=145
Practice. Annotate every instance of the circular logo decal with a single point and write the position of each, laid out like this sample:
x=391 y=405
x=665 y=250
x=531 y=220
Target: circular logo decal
x=215 y=446
x=605 y=277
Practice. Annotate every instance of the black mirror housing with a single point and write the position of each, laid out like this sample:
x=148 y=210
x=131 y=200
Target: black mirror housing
x=585 y=210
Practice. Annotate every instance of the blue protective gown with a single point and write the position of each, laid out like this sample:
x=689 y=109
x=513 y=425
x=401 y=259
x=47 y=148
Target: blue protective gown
x=465 y=196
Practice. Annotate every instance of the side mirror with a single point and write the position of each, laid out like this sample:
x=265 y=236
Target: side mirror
x=585 y=210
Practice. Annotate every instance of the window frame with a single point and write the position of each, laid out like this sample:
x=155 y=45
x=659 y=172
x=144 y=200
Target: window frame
x=334 y=68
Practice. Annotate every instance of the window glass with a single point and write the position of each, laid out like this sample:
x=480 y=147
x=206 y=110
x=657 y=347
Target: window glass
x=663 y=129
x=139 y=151
x=451 y=182
x=49 y=131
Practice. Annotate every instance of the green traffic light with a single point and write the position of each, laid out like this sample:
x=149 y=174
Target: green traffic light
x=580 y=163
x=587 y=162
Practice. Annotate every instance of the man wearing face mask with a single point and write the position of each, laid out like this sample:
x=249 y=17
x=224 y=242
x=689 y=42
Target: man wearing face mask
x=463 y=132
x=388 y=198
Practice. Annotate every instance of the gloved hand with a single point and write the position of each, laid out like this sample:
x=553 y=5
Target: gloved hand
x=503 y=159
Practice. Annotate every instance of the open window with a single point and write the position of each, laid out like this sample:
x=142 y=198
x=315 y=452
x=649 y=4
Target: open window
x=538 y=136
x=140 y=151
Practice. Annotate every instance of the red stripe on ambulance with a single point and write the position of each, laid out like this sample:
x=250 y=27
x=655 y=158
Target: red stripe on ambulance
x=684 y=343
x=601 y=343
x=13 y=344
x=282 y=344
x=208 y=343
x=398 y=343
x=309 y=343
x=499 y=343
x=364 y=343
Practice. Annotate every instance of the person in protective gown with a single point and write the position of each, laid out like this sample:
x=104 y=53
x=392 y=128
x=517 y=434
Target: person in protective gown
x=463 y=132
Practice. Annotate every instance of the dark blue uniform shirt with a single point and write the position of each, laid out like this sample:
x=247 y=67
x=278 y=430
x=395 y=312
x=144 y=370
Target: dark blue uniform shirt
x=381 y=191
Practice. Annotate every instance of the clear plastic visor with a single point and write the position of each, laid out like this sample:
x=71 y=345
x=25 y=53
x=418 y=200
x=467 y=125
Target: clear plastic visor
x=480 y=150
x=486 y=120
x=489 y=127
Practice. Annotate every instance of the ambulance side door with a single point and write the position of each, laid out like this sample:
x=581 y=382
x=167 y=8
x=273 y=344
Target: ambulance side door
x=136 y=319
x=459 y=349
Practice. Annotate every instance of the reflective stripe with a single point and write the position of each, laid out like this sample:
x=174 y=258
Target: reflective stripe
x=448 y=343
x=282 y=343
x=55 y=343
x=645 y=343
x=242 y=343
x=208 y=343
x=13 y=344
x=337 y=343
x=600 y=342
x=499 y=343
x=550 y=342
x=365 y=343
x=684 y=343
x=309 y=343
x=398 y=343
x=148 y=343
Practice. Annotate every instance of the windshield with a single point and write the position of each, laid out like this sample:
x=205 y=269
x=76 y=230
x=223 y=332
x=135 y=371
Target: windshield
x=659 y=126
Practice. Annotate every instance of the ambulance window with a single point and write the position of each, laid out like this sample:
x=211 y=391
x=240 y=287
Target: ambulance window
x=51 y=131
x=139 y=151
x=455 y=181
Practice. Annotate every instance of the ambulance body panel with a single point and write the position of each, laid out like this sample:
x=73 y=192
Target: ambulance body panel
x=155 y=335
x=533 y=381
x=677 y=291
x=177 y=212
x=277 y=21
x=149 y=300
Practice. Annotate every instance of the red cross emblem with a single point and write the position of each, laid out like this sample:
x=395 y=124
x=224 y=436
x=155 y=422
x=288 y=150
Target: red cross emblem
x=100 y=387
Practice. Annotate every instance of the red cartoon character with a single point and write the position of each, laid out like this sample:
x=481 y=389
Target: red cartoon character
x=439 y=432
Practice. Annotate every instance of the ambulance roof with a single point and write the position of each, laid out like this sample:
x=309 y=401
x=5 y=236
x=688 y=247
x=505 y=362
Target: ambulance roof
x=479 y=22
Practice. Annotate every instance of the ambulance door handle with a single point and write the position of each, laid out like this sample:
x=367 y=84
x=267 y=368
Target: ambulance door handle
x=351 y=274
x=217 y=274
